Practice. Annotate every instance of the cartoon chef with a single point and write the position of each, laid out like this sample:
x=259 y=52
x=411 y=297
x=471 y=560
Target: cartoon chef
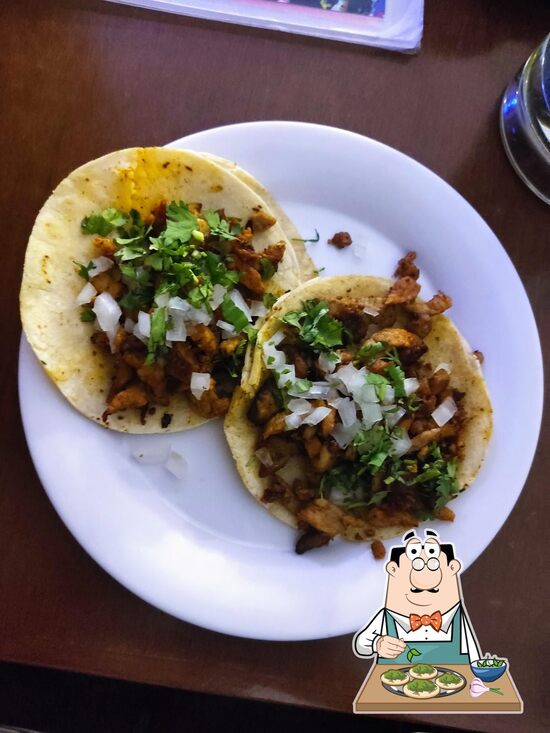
x=423 y=610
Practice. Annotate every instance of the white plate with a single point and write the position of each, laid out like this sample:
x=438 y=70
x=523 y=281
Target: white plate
x=201 y=548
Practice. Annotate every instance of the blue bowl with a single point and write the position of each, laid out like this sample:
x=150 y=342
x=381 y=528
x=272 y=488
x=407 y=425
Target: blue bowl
x=488 y=674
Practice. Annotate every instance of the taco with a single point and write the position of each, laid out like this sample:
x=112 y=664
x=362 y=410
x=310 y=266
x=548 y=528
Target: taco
x=364 y=411
x=423 y=671
x=450 y=681
x=394 y=677
x=421 y=689
x=144 y=275
x=308 y=269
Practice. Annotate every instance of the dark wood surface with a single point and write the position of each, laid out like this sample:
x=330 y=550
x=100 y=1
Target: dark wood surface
x=79 y=79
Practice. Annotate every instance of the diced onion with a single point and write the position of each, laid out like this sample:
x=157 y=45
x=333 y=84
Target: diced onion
x=347 y=411
x=400 y=444
x=100 y=264
x=144 y=324
x=389 y=395
x=200 y=383
x=337 y=496
x=129 y=325
x=257 y=309
x=343 y=436
x=293 y=421
x=445 y=411
x=150 y=454
x=273 y=358
x=372 y=413
x=411 y=385
x=317 y=415
x=276 y=339
x=176 y=464
x=299 y=406
x=443 y=366
x=107 y=312
x=327 y=364
x=198 y=315
x=240 y=302
x=370 y=310
x=264 y=456
x=393 y=415
x=178 y=332
x=86 y=294
x=227 y=327
x=178 y=304
x=365 y=393
x=162 y=300
x=286 y=376
x=318 y=390
x=218 y=294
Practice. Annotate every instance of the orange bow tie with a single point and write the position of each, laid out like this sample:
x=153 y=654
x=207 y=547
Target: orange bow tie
x=417 y=621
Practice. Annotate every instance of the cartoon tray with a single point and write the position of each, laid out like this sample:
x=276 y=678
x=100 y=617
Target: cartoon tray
x=377 y=697
x=398 y=689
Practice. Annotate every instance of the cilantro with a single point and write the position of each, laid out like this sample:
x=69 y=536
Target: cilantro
x=379 y=383
x=251 y=333
x=267 y=268
x=135 y=301
x=135 y=276
x=84 y=270
x=220 y=227
x=131 y=248
x=370 y=352
x=269 y=300
x=412 y=653
x=134 y=226
x=157 y=336
x=314 y=239
x=218 y=271
x=377 y=498
x=319 y=271
x=301 y=385
x=180 y=224
x=233 y=315
x=315 y=326
x=86 y=314
x=103 y=223
x=200 y=295
x=397 y=377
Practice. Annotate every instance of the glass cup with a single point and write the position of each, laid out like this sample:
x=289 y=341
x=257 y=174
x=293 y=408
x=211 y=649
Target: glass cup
x=525 y=121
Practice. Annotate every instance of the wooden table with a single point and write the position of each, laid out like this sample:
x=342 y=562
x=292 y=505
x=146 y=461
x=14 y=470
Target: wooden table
x=373 y=697
x=82 y=77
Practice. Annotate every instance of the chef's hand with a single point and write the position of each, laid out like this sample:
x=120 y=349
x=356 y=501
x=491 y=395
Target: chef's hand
x=390 y=647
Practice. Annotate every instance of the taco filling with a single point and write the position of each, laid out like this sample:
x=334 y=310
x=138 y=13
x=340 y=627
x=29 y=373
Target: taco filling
x=173 y=296
x=357 y=430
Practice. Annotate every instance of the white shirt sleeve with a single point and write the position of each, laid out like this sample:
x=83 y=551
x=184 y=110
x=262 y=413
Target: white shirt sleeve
x=468 y=641
x=363 y=641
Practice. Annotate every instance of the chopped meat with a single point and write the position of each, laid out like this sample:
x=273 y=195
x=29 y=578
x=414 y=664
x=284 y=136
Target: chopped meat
x=210 y=404
x=379 y=366
x=328 y=423
x=302 y=491
x=277 y=490
x=108 y=282
x=121 y=376
x=260 y=221
x=154 y=377
x=479 y=356
x=182 y=362
x=252 y=280
x=265 y=404
x=403 y=290
x=411 y=354
x=158 y=218
x=446 y=514
x=245 y=235
x=134 y=359
x=302 y=361
x=345 y=356
x=431 y=436
x=421 y=425
x=205 y=338
x=398 y=338
x=340 y=240
x=133 y=396
x=324 y=516
x=421 y=325
x=386 y=317
x=351 y=312
x=228 y=346
x=378 y=550
x=406 y=267
x=439 y=381
x=274 y=252
x=101 y=341
x=105 y=246
x=166 y=419
x=310 y=540
x=275 y=425
x=433 y=307
x=380 y=518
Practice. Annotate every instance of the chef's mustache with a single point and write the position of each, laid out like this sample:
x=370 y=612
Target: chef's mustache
x=424 y=590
